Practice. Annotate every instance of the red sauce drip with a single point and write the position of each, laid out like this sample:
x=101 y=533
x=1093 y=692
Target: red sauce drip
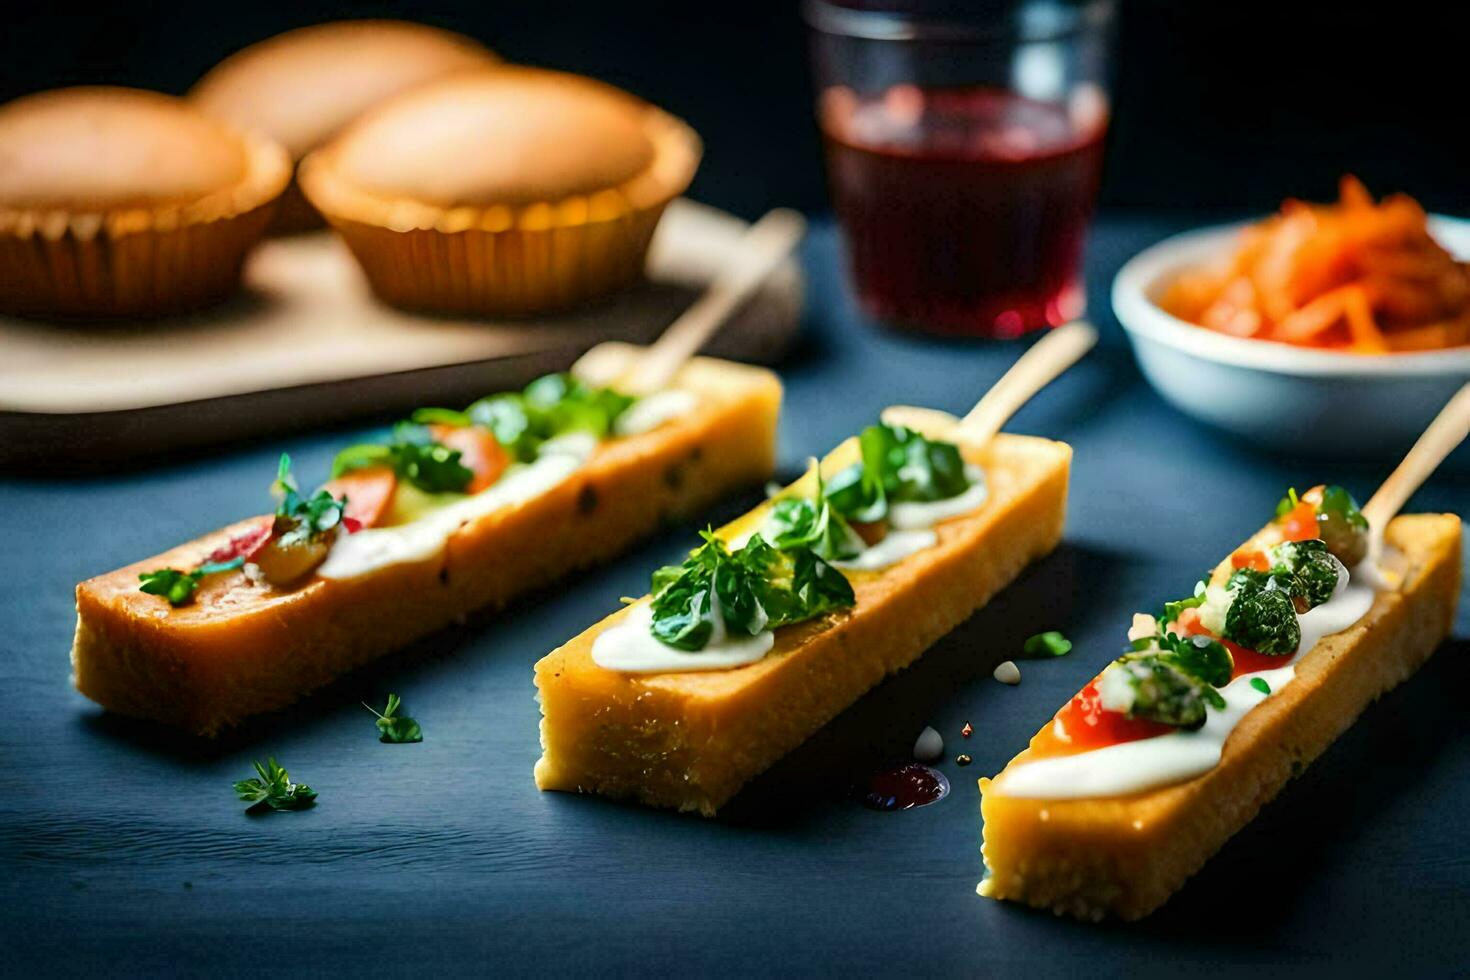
x=903 y=787
x=965 y=209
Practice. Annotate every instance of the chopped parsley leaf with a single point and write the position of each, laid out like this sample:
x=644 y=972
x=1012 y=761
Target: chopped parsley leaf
x=898 y=465
x=751 y=590
x=1048 y=644
x=274 y=790
x=394 y=728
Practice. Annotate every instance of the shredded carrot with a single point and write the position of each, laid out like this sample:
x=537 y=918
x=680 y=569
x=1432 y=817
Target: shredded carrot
x=1360 y=276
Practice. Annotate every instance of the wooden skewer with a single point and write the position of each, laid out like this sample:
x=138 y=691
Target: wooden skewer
x=1448 y=430
x=1033 y=371
x=764 y=246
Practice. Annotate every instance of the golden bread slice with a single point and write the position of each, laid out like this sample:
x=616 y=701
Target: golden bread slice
x=243 y=647
x=690 y=741
x=1125 y=856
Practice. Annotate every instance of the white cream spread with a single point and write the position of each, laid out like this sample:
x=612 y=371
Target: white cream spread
x=373 y=548
x=1129 y=767
x=914 y=515
x=894 y=548
x=647 y=414
x=630 y=646
x=368 y=550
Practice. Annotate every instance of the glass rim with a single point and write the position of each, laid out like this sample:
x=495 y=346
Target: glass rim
x=1049 y=21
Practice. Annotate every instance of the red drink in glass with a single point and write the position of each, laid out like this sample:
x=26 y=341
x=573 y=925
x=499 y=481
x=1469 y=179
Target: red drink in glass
x=965 y=208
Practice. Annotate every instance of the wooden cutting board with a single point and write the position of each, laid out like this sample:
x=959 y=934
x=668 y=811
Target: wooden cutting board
x=305 y=343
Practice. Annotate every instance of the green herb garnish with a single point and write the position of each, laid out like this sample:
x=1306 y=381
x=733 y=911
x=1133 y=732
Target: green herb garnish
x=312 y=516
x=414 y=455
x=751 y=590
x=1172 y=610
x=273 y=790
x=1259 y=683
x=1310 y=570
x=898 y=465
x=548 y=407
x=393 y=727
x=178 y=587
x=812 y=522
x=1048 y=644
x=1171 y=679
x=1287 y=504
x=1262 y=616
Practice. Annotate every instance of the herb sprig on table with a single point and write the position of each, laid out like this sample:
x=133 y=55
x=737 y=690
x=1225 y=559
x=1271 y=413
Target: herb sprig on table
x=393 y=728
x=273 y=789
x=898 y=465
x=748 y=591
x=1048 y=644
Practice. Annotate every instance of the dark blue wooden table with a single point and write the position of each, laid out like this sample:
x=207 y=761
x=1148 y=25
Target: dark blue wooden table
x=123 y=850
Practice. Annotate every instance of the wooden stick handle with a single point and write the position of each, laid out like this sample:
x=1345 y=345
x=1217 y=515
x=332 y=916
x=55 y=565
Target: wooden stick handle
x=1448 y=430
x=1047 y=358
x=764 y=247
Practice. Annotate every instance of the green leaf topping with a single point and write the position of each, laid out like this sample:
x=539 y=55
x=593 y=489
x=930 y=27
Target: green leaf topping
x=394 y=728
x=1048 y=644
x=754 y=589
x=1259 y=683
x=812 y=522
x=1287 y=503
x=178 y=587
x=440 y=416
x=1309 y=569
x=1262 y=616
x=548 y=407
x=1172 y=610
x=302 y=518
x=414 y=455
x=273 y=790
x=1171 y=679
x=898 y=465
x=520 y=421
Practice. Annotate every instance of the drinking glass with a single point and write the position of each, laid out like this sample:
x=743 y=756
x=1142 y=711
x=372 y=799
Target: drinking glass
x=964 y=143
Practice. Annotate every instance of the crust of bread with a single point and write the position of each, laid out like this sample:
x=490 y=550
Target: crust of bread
x=1125 y=856
x=690 y=741
x=242 y=648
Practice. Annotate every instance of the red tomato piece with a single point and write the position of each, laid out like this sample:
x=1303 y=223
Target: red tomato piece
x=1250 y=559
x=1085 y=724
x=1300 y=523
x=369 y=491
x=479 y=451
x=1247 y=661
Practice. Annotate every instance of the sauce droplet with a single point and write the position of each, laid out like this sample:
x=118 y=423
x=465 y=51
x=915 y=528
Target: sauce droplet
x=967 y=730
x=963 y=760
x=903 y=786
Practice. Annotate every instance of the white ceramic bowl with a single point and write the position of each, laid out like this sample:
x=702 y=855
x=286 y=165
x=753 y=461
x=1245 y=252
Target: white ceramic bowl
x=1300 y=400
